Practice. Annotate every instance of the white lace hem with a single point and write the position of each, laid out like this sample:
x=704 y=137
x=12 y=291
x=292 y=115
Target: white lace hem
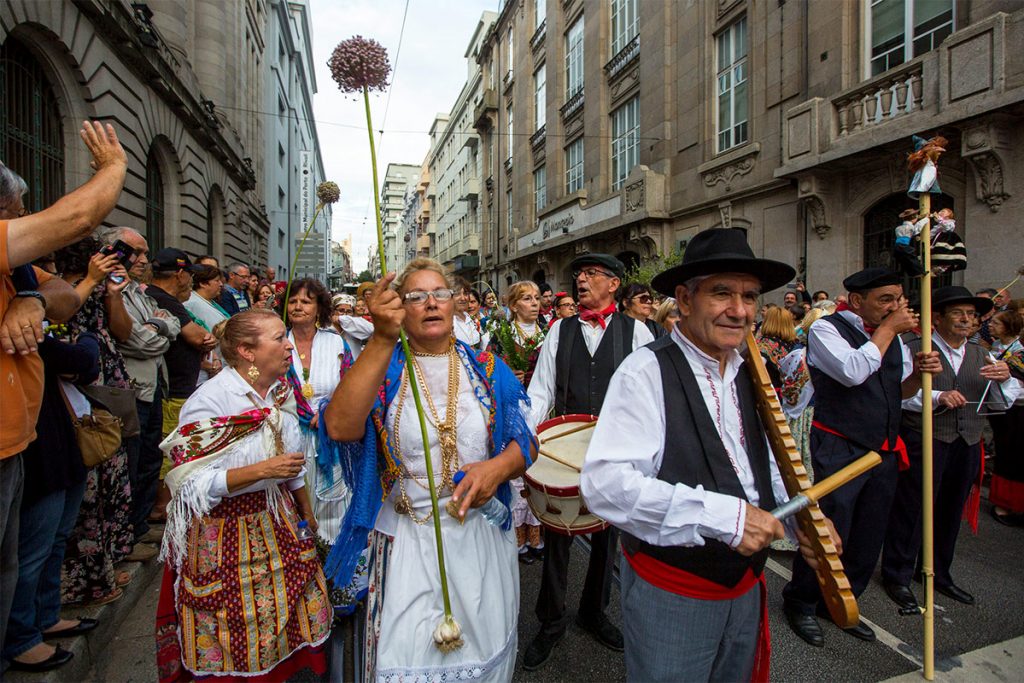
x=464 y=671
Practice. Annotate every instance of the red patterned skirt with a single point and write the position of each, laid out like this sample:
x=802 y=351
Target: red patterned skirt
x=250 y=597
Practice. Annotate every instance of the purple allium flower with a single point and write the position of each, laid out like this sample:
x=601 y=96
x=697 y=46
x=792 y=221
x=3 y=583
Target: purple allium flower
x=328 y=192
x=360 y=62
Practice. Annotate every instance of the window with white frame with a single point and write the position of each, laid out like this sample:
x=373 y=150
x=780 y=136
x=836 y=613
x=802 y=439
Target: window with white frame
x=511 y=54
x=540 y=107
x=574 y=166
x=508 y=113
x=540 y=11
x=732 y=100
x=625 y=140
x=574 y=58
x=540 y=189
x=899 y=30
x=624 y=23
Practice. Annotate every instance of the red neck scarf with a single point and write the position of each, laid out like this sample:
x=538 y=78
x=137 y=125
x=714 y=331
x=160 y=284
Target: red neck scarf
x=842 y=306
x=590 y=316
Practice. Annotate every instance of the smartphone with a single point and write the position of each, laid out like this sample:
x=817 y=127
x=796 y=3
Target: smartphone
x=125 y=253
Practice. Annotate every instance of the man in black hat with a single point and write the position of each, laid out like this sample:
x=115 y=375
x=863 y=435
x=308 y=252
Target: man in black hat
x=680 y=463
x=861 y=372
x=969 y=376
x=171 y=286
x=575 y=365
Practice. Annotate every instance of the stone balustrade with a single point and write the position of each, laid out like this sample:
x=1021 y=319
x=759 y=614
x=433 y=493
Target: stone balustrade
x=891 y=95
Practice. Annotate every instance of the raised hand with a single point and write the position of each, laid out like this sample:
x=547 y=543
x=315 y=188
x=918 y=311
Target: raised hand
x=386 y=309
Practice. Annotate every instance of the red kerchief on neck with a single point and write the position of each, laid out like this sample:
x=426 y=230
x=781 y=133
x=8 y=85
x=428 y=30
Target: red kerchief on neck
x=590 y=316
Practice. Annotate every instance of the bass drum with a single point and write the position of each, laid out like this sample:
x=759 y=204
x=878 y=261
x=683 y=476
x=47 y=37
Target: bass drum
x=553 y=481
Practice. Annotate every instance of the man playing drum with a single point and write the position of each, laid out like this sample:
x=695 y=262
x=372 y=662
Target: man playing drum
x=690 y=493
x=575 y=365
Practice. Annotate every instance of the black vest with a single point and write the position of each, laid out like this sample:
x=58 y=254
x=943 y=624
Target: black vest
x=868 y=414
x=695 y=455
x=948 y=425
x=581 y=380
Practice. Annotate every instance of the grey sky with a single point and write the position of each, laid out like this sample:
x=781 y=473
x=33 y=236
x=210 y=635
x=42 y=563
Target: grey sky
x=430 y=72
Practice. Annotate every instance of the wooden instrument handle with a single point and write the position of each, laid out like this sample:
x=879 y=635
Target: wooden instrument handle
x=567 y=432
x=827 y=485
x=560 y=461
x=835 y=587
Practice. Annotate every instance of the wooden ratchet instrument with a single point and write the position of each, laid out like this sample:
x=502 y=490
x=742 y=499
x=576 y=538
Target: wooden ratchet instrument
x=835 y=587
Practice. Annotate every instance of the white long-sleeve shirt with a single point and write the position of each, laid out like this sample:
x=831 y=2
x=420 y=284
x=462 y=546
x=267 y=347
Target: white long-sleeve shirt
x=542 y=386
x=830 y=353
x=955 y=356
x=619 y=479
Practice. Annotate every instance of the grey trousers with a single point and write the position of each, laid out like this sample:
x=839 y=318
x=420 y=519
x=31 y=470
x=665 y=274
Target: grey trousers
x=11 y=480
x=670 y=637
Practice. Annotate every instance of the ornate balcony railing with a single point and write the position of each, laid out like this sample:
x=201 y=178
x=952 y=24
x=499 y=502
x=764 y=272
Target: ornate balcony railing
x=538 y=35
x=537 y=139
x=574 y=104
x=623 y=57
x=891 y=95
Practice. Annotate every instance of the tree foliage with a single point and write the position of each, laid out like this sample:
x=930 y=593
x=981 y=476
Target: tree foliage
x=645 y=271
x=365 y=276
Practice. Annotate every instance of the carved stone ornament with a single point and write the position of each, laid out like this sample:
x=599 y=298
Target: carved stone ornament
x=634 y=196
x=983 y=147
x=726 y=174
x=816 y=210
x=625 y=84
x=581 y=247
x=725 y=212
x=988 y=180
x=725 y=5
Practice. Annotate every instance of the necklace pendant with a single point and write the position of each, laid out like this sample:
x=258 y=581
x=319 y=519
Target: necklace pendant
x=453 y=511
x=402 y=507
x=307 y=390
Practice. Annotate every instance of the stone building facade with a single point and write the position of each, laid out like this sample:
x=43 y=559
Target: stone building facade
x=399 y=180
x=183 y=82
x=626 y=127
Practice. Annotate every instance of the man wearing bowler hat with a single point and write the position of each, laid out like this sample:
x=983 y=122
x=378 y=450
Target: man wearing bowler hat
x=970 y=385
x=576 y=363
x=680 y=463
x=861 y=372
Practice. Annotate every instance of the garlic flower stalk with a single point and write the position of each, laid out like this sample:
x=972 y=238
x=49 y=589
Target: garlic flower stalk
x=328 y=193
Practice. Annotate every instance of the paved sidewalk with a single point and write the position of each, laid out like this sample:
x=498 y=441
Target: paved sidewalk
x=996 y=663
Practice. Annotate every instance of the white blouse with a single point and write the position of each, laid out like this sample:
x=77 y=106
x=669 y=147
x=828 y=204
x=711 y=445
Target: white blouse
x=324 y=366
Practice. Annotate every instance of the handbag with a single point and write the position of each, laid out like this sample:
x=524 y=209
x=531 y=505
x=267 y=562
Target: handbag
x=119 y=402
x=98 y=435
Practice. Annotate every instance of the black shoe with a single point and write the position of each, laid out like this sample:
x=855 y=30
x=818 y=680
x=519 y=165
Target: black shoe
x=806 y=626
x=539 y=650
x=527 y=558
x=84 y=626
x=956 y=593
x=604 y=631
x=862 y=631
x=1007 y=518
x=901 y=595
x=58 y=658
x=538 y=553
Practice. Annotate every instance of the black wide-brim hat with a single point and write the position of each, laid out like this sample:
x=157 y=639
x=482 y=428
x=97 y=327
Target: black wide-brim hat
x=954 y=294
x=722 y=250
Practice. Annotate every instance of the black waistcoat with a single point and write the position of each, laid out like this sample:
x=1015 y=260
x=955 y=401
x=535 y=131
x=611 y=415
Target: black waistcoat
x=695 y=455
x=867 y=414
x=581 y=380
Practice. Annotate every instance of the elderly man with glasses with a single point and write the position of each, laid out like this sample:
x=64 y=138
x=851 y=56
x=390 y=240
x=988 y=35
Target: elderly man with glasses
x=576 y=363
x=235 y=297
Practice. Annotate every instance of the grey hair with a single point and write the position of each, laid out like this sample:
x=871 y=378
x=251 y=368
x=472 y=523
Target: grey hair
x=110 y=235
x=235 y=265
x=694 y=283
x=12 y=185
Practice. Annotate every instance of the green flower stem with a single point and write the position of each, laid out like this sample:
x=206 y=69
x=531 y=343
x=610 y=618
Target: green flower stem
x=295 y=261
x=413 y=384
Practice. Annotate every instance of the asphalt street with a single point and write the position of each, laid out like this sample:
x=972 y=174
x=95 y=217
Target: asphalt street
x=989 y=565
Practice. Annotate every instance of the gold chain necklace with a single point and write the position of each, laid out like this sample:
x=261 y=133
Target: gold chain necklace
x=446 y=432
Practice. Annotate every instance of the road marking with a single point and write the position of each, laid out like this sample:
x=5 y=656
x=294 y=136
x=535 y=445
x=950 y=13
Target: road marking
x=888 y=639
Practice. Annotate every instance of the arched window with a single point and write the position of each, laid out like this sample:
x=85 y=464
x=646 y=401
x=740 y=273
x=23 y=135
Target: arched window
x=31 y=137
x=880 y=224
x=154 y=203
x=215 y=222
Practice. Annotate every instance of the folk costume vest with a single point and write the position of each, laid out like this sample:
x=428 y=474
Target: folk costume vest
x=581 y=380
x=695 y=455
x=948 y=425
x=868 y=414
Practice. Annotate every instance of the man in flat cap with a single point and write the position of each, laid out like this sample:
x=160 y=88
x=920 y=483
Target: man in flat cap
x=576 y=362
x=861 y=372
x=680 y=463
x=970 y=385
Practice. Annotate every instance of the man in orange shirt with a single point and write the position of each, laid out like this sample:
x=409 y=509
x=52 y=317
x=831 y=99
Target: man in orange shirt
x=23 y=239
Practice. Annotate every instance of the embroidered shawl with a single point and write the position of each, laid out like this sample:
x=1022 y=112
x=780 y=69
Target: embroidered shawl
x=371 y=466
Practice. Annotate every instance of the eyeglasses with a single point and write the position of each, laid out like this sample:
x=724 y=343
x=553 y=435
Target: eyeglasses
x=590 y=273
x=570 y=305
x=961 y=314
x=643 y=298
x=419 y=297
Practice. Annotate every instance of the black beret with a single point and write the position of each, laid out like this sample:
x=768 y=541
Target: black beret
x=606 y=260
x=871 y=278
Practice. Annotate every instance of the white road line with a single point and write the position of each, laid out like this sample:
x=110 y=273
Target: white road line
x=898 y=646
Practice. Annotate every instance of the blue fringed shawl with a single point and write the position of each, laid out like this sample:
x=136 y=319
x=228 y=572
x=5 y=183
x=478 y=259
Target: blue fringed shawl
x=371 y=467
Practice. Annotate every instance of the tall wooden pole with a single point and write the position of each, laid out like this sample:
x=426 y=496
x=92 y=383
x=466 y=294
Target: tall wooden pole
x=927 y=509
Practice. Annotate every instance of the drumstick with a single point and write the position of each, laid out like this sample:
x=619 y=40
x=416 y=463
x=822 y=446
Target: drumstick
x=827 y=485
x=588 y=425
x=559 y=460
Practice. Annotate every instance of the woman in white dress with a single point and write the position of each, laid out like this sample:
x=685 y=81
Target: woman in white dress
x=475 y=423
x=468 y=328
x=319 y=358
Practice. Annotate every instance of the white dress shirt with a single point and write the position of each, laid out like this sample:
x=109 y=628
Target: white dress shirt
x=356 y=331
x=619 y=480
x=955 y=357
x=830 y=353
x=542 y=387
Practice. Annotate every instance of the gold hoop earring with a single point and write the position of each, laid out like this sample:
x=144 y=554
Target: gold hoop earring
x=254 y=373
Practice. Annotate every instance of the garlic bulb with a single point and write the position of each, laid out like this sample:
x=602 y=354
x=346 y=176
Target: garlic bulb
x=448 y=635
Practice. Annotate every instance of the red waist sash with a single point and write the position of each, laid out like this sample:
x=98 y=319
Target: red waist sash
x=899 y=448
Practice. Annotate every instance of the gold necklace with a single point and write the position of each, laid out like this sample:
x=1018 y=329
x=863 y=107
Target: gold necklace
x=307 y=386
x=446 y=433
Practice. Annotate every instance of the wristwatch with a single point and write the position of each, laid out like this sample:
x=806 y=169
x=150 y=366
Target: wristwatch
x=34 y=294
